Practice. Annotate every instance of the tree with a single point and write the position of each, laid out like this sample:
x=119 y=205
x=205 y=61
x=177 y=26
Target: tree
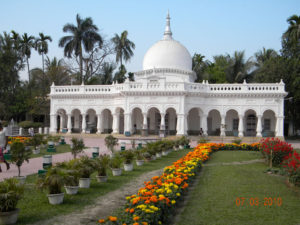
x=291 y=38
x=77 y=146
x=199 y=66
x=26 y=44
x=83 y=36
x=123 y=47
x=41 y=45
x=120 y=75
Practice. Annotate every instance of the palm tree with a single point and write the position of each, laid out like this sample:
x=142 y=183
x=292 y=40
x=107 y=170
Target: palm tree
x=291 y=38
x=240 y=67
x=41 y=45
x=16 y=39
x=199 y=66
x=27 y=43
x=263 y=55
x=83 y=35
x=123 y=47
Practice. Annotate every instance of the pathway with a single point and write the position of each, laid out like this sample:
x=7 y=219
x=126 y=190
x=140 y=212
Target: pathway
x=105 y=205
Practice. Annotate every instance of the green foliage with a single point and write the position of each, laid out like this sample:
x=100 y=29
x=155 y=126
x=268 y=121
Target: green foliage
x=28 y=124
x=53 y=180
x=139 y=154
x=54 y=138
x=111 y=142
x=237 y=141
x=128 y=156
x=184 y=140
x=71 y=174
x=116 y=161
x=101 y=164
x=77 y=146
x=85 y=166
x=19 y=154
x=10 y=193
x=203 y=140
x=36 y=140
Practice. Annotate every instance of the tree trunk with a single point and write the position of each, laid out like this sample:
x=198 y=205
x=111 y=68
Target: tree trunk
x=19 y=171
x=80 y=64
x=43 y=63
x=29 y=78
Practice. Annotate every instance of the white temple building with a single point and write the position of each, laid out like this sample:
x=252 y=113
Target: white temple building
x=165 y=99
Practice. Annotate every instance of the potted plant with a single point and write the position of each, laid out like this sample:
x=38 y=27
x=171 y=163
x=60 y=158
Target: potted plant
x=176 y=144
x=85 y=167
x=71 y=177
x=111 y=142
x=139 y=157
x=157 y=148
x=101 y=165
x=10 y=194
x=53 y=181
x=77 y=146
x=18 y=155
x=36 y=141
x=128 y=156
x=115 y=164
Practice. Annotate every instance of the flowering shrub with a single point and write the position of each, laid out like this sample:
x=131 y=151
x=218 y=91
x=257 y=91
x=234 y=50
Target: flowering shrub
x=17 y=139
x=277 y=148
x=159 y=197
x=292 y=165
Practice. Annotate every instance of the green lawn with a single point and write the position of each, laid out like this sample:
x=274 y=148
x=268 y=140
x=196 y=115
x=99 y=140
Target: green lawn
x=297 y=150
x=35 y=207
x=59 y=149
x=213 y=201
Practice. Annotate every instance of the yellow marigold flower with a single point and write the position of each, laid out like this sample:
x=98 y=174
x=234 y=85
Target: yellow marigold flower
x=127 y=198
x=173 y=202
x=159 y=222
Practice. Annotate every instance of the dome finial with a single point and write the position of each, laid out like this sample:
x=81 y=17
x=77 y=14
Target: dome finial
x=168 y=32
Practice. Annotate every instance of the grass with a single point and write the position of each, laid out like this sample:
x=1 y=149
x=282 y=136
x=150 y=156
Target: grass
x=35 y=207
x=213 y=200
x=233 y=156
x=59 y=149
x=297 y=150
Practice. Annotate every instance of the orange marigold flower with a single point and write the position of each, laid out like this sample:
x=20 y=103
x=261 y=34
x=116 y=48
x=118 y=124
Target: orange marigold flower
x=153 y=199
x=112 y=218
x=136 y=218
x=127 y=210
x=101 y=221
x=136 y=224
x=144 y=223
x=131 y=210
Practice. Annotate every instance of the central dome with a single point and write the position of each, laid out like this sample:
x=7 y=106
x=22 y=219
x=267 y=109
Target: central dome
x=168 y=53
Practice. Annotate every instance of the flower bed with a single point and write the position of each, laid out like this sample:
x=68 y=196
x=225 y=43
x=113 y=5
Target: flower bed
x=18 y=139
x=156 y=202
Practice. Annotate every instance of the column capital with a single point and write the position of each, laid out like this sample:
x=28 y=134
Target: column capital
x=162 y=114
x=259 y=116
x=280 y=117
x=241 y=116
x=83 y=114
x=98 y=114
x=127 y=114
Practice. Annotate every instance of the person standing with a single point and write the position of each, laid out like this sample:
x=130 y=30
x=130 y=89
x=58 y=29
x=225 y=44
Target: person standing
x=3 y=143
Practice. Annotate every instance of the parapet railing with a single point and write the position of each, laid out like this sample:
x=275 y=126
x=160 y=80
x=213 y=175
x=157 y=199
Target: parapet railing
x=169 y=86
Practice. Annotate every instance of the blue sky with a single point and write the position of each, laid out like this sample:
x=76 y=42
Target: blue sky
x=209 y=27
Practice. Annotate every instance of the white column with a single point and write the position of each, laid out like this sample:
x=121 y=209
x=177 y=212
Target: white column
x=99 y=123
x=258 y=127
x=61 y=123
x=185 y=124
x=279 y=126
x=69 y=125
x=144 y=120
x=222 y=129
x=53 y=125
x=204 y=124
x=162 y=121
x=127 y=122
x=241 y=126
x=115 y=126
x=180 y=124
x=83 y=126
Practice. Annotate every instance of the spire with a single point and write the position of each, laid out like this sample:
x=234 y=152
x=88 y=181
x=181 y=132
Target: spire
x=168 y=32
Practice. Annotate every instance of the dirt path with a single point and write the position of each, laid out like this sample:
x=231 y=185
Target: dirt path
x=104 y=205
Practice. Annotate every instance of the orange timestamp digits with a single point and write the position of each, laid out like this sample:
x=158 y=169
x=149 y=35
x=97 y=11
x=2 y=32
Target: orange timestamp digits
x=267 y=201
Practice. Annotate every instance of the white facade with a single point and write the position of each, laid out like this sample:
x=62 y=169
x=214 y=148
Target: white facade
x=164 y=98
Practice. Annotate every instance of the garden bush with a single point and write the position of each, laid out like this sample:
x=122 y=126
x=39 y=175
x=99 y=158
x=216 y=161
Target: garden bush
x=276 y=150
x=292 y=165
x=27 y=124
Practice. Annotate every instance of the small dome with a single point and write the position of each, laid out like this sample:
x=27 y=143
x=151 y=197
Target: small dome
x=167 y=54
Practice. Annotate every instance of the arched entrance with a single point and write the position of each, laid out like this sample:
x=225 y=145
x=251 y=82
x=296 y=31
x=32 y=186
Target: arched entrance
x=193 y=121
x=232 y=123
x=268 y=123
x=107 y=121
x=76 y=121
x=91 y=121
x=137 y=120
x=170 y=121
x=251 y=123
x=153 y=121
x=214 y=123
x=61 y=120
